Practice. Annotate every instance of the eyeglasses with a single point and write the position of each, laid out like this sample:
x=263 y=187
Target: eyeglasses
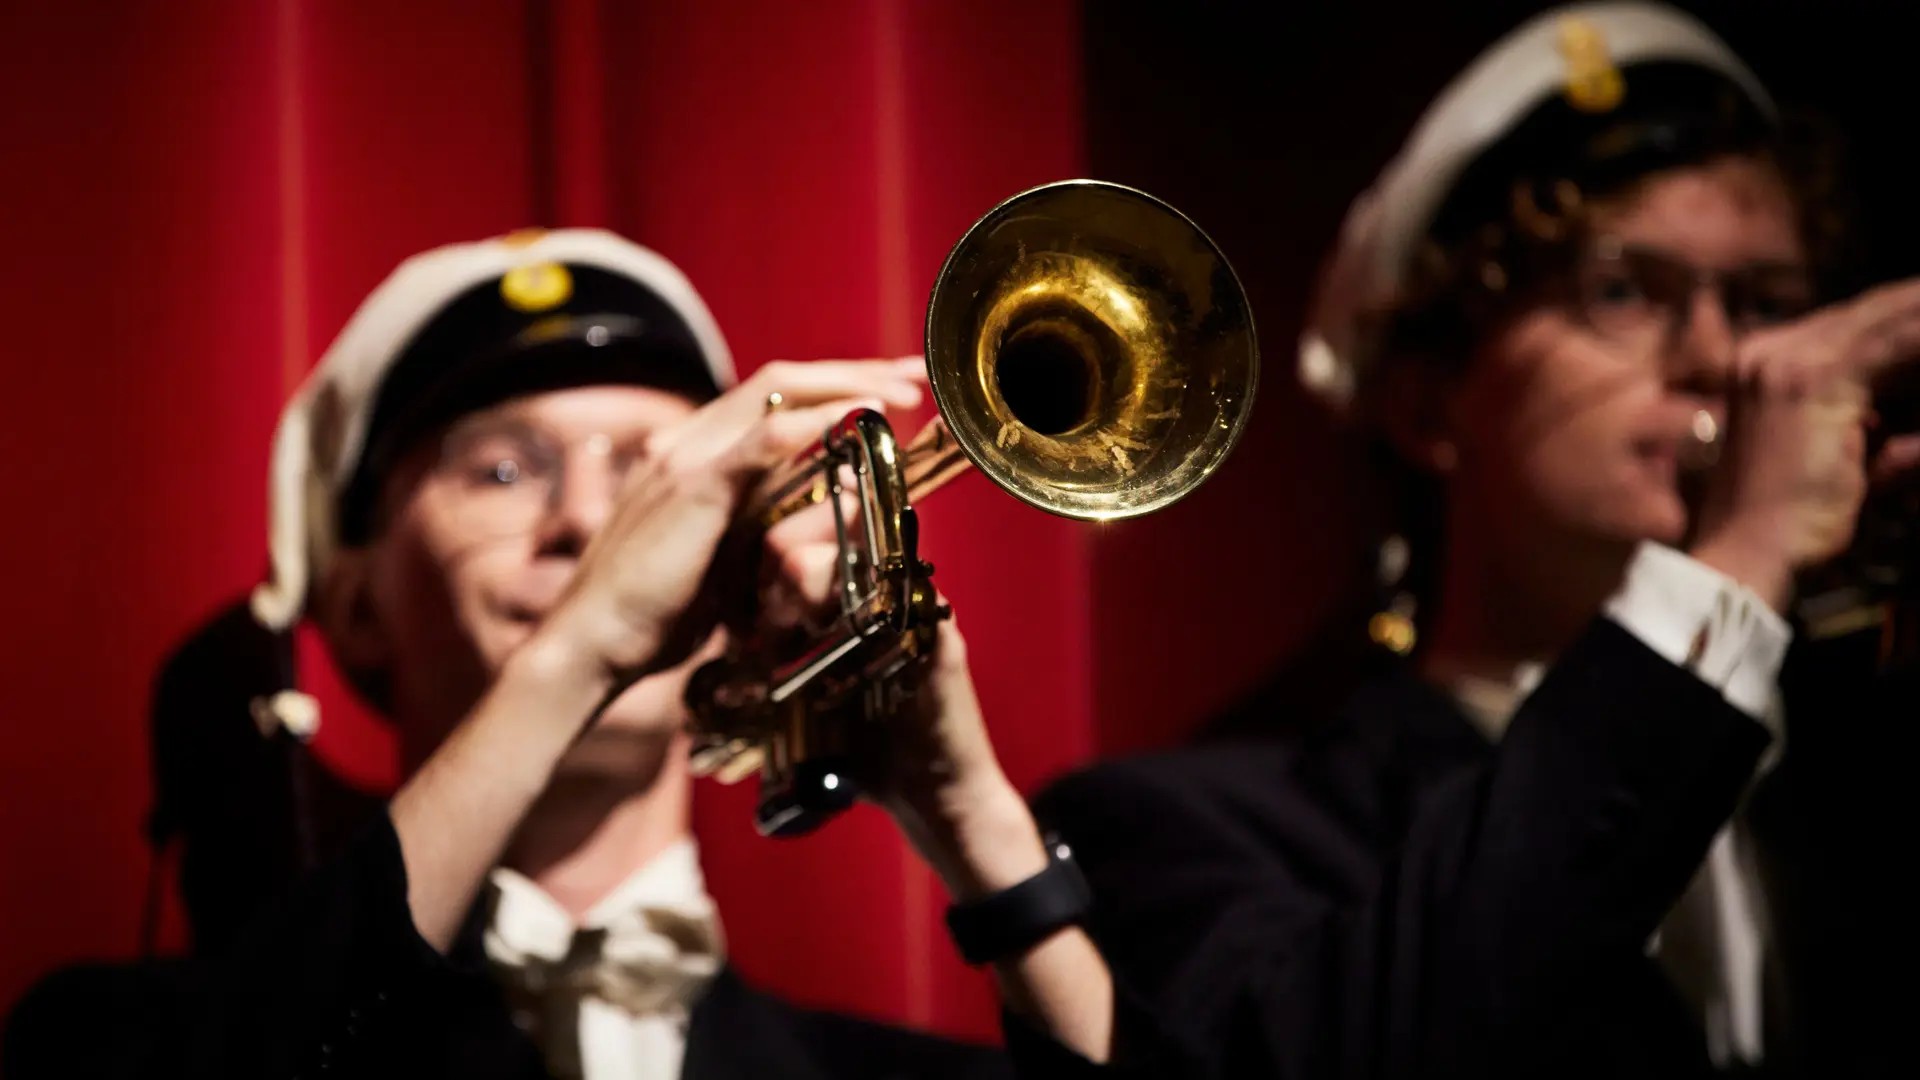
x=1644 y=299
x=504 y=479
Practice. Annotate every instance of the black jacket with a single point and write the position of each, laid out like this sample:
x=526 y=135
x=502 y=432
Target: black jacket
x=306 y=958
x=335 y=982
x=1389 y=895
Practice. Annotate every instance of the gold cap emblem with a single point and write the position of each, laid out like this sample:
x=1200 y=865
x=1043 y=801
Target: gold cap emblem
x=536 y=287
x=1593 y=84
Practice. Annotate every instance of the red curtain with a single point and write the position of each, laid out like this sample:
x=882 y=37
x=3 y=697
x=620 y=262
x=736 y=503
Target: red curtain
x=198 y=193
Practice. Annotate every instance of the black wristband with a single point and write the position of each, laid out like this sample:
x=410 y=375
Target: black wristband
x=1015 y=919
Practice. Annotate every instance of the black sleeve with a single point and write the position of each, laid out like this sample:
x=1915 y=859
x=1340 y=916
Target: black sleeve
x=291 y=993
x=1512 y=892
x=1833 y=820
x=318 y=980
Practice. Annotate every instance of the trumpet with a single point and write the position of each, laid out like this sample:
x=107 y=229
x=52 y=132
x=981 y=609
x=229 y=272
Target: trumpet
x=1092 y=353
x=1870 y=592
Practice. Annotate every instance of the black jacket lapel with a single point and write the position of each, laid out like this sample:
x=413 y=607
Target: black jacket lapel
x=736 y=1033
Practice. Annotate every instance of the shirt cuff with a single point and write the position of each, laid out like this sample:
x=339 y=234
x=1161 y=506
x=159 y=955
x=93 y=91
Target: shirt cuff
x=1705 y=622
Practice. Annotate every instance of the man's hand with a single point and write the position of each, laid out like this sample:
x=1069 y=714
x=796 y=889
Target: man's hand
x=628 y=604
x=636 y=603
x=942 y=784
x=1788 y=492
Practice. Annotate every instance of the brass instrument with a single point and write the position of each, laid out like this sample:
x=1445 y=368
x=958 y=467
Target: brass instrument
x=1093 y=354
x=1870 y=594
x=1872 y=591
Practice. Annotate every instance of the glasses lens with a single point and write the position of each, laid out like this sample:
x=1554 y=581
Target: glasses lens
x=1637 y=296
x=1630 y=296
x=1767 y=296
x=497 y=482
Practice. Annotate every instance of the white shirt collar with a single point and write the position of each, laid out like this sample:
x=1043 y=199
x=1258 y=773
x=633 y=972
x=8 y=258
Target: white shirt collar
x=526 y=921
x=612 y=996
x=1491 y=703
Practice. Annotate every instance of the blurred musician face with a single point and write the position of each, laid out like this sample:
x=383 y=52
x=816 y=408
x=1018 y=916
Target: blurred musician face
x=482 y=531
x=1568 y=427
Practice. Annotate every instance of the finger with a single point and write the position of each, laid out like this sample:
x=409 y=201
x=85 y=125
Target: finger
x=724 y=420
x=1890 y=321
x=1853 y=446
x=776 y=440
x=1898 y=462
x=709 y=435
x=1897 y=356
x=1748 y=365
x=781 y=437
x=814 y=573
x=912 y=367
x=1848 y=392
x=804 y=586
x=815 y=523
x=658 y=701
x=1787 y=378
x=897 y=382
x=1743 y=389
x=1891 y=298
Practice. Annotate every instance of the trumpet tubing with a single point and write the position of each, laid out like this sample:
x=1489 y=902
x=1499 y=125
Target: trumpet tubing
x=1092 y=354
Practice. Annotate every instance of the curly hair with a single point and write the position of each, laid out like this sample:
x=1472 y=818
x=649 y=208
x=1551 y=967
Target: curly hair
x=1501 y=238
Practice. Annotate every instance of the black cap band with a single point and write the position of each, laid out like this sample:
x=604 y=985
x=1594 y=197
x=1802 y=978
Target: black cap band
x=481 y=350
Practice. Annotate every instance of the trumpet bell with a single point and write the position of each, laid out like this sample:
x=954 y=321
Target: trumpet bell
x=1091 y=350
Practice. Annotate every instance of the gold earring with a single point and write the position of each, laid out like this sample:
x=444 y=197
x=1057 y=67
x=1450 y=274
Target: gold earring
x=1392 y=626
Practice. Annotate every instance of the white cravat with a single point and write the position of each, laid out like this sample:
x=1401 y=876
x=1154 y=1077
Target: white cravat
x=1711 y=943
x=611 y=996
